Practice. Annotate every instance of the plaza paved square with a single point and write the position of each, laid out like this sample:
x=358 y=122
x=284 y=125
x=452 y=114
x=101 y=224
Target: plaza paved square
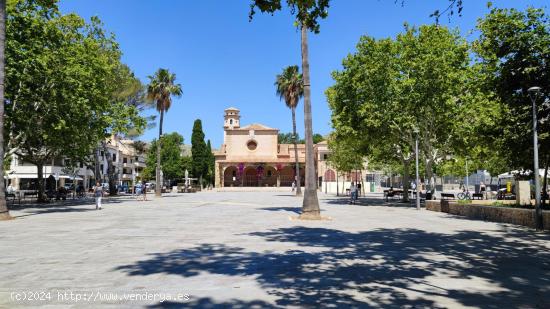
x=235 y=249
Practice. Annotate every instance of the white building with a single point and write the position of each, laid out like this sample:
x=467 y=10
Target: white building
x=128 y=164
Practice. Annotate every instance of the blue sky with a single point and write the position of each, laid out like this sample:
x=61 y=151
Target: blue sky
x=222 y=60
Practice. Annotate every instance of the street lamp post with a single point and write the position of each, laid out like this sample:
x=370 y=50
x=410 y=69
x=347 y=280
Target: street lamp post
x=417 y=177
x=533 y=93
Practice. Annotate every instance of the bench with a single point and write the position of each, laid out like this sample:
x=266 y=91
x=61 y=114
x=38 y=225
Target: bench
x=445 y=196
x=478 y=196
x=388 y=194
x=31 y=194
x=12 y=197
x=429 y=196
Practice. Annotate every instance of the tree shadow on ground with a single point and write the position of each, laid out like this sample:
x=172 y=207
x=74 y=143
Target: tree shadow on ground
x=370 y=201
x=380 y=268
x=297 y=210
x=76 y=205
x=54 y=210
x=68 y=202
x=210 y=303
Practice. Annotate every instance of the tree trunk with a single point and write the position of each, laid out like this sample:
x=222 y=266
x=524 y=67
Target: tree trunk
x=363 y=189
x=298 y=182
x=96 y=165
x=110 y=170
x=158 y=188
x=545 y=181
x=430 y=175
x=337 y=186
x=4 y=212
x=40 y=177
x=310 y=206
x=406 y=167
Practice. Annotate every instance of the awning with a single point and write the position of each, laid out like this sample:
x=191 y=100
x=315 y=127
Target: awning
x=70 y=177
x=34 y=176
x=511 y=174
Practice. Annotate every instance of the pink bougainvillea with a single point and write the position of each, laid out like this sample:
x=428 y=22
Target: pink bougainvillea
x=260 y=171
x=240 y=168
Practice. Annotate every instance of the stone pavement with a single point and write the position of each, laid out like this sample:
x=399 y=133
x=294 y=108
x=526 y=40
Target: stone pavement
x=242 y=250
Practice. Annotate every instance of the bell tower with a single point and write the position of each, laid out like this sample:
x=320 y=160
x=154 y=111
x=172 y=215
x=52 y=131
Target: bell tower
x=232 y=118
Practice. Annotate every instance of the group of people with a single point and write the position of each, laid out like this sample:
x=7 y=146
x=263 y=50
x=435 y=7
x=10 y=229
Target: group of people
x=141 y=191
x=99 y=192
x=354 y=191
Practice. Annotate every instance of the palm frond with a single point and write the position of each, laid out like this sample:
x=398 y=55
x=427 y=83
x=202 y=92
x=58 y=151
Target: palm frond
x=289 y=86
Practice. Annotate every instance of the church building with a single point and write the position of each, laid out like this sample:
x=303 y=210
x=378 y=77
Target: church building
x=251 y=156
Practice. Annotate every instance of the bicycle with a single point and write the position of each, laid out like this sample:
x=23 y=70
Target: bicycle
x=464 y=195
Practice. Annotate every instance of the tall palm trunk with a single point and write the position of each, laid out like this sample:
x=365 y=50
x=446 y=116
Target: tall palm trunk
x=298 y=181
x=4 y=212
x=158 y=187
x=310 y=206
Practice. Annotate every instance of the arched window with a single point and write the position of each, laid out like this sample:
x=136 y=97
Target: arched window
x=329 y=176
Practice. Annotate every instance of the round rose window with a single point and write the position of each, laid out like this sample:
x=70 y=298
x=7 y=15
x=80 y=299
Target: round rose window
x=252 y=145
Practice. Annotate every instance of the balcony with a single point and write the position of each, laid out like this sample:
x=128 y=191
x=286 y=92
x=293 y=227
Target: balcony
x=139 y=164
x=127 y=176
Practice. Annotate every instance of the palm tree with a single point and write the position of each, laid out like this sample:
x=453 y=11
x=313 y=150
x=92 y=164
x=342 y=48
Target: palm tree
x=290 y=87
x=4 y=212
x=310 y=206
x=160 y=90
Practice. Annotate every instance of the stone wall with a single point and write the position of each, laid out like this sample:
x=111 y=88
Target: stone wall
x=517 y=216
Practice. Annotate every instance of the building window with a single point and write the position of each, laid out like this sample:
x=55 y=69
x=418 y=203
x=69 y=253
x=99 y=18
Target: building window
x=252 y=145
x=325 y=156
x=114 y=157
x=81 y=165
x=330 y=176
x=230 y=121
x=124 y=160
x=269 y=174
x=234 y=173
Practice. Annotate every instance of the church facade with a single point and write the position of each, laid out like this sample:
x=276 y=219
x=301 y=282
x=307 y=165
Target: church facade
x=251 y=156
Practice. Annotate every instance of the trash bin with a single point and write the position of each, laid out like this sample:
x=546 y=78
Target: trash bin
x=372 y=187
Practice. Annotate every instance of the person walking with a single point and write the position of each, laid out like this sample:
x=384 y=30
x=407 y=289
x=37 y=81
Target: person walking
x=138 y=190
x=293 y=185
x=144 y=189
x=353 y=193
x=98 y=193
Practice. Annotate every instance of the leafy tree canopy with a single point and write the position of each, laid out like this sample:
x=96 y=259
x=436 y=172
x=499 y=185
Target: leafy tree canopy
x=62 y=83
x=308 y=12
x=173 y=165
x=421 y=81
x=287 y=138
x=514 y=55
